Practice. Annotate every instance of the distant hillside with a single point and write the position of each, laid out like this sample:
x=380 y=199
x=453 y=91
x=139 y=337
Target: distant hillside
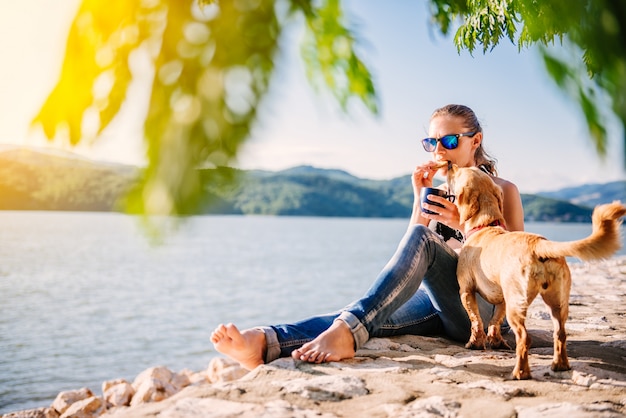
x=543 y=209
x=319 y=192
x=305 y=191
x=590 y=195
x=34 y=180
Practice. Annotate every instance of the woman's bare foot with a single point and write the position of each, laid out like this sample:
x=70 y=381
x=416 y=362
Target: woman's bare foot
x=334 y=344
x=246 y=347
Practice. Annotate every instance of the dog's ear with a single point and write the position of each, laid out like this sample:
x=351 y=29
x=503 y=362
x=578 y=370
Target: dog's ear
x=467 y=197
x=467 y=202
x=453 y=169
x=490 y=200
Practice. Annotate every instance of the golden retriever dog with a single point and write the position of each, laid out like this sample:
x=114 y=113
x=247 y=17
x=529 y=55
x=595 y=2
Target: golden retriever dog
x=509 y=269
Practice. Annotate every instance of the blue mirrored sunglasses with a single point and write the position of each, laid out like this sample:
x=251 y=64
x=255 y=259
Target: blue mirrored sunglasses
x=450 y=141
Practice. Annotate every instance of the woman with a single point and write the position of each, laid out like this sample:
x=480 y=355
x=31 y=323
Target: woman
x=417 y=291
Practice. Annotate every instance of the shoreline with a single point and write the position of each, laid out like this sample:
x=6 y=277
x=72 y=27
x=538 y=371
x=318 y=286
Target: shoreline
x=402 y=375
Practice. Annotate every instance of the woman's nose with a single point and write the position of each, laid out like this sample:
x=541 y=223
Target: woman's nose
x=439 y=149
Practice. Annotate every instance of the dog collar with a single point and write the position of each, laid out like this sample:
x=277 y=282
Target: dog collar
x=478 y=228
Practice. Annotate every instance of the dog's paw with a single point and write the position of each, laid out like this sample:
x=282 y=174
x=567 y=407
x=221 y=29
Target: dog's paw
x=475 y=345
x=521 y=374
x=560 y=367
x=498 y=344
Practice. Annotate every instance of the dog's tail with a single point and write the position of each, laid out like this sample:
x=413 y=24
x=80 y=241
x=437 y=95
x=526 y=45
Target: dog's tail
x=603 y=242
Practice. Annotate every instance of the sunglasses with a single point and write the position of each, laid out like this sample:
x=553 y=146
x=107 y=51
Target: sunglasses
x=447 y=141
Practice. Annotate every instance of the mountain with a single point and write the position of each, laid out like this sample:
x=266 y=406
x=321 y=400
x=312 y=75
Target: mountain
x=35 y=180
x=308 y=191
x=544 y=209
x=590 y=195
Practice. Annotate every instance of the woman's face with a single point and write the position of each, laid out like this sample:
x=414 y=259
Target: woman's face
x=463 y=155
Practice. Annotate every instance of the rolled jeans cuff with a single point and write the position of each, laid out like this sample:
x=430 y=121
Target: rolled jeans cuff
x=359 y=332
x=272 y=344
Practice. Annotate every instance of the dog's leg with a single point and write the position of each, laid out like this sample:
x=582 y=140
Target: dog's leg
x=560 y=362
x=494 y=337
x=478 y=337
x=558 y=301
x=555 y=294
x=522 y=339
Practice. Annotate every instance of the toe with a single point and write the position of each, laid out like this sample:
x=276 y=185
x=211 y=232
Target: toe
x=321 y=357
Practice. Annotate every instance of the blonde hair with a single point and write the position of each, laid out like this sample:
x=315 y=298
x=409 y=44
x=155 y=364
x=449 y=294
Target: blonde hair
x=483 y=160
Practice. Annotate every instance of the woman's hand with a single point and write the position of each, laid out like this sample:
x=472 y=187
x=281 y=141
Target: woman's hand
x=448 y=214
x=423 y=177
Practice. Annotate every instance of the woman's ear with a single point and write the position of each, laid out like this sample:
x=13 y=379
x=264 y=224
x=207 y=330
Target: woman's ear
x=477 y=140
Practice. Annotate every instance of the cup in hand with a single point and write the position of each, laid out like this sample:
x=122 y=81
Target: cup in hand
x=432 y=191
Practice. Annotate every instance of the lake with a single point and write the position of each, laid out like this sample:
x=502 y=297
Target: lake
x=85 y=297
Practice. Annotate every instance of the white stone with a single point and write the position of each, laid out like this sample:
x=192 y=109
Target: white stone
x=117 y=393
x=210 y=408
x=65 y=399
x=225 y=370
x=569 y=410
x=283 y=409
x=152 y=390
x=583 y=379
x=433 y=407
x=366 y=365
x=156 y=384
x=180 y=381
x=33 y=413
x=326 y=388
x=86 y=408
x=158 y=373
x=506 y=391
x=382 y=344
x=219 y=408
x=191 y=376
x=198 y=378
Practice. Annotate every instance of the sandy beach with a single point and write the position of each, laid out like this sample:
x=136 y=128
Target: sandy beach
x=431 y=377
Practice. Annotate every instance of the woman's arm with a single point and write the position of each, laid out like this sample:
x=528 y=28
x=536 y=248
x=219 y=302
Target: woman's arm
x=422 y=177
x=513 y=210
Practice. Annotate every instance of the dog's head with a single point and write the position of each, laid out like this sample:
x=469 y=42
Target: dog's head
x=478 y=198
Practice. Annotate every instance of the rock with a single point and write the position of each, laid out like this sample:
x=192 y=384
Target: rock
x=193 y=377
x=200 y=408
x=86 y=408
x=152 y=390
x=432 y=407
x=180 y=381
x=225 y=370
x=583 y=379
x=156 y=384
x=65 y=399
x=381 y=344
x=157 y=373
x=326 y=388
x=506 y=391
x=566 y=409
x=117 y=392
x=284 y=409
x=216 y=408
x=34 y=413
x=153 y=385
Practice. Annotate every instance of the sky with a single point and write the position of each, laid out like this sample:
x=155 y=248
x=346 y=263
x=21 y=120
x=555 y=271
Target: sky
x=537 y=135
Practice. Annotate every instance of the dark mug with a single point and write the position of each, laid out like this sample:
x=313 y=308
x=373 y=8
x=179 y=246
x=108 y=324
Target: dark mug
x=438 y=192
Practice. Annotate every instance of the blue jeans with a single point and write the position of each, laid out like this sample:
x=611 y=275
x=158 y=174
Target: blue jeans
x=416 y=293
